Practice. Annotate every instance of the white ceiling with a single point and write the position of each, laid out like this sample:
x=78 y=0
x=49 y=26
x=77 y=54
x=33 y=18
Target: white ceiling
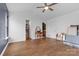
x=30 y=8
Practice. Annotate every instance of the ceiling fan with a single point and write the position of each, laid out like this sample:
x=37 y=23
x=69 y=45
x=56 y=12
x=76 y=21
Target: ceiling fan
x=47 y=7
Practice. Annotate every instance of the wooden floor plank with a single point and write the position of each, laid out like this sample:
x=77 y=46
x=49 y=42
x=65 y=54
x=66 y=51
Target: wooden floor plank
x=40 y=47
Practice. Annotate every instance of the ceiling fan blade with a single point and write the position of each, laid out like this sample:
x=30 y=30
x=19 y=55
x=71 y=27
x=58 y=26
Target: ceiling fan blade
x=43 y=10
x=45 y=4
x=52 y=4
x=51 y=9
x=40 y=7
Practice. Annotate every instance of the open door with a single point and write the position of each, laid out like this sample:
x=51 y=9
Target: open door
x=44 y=29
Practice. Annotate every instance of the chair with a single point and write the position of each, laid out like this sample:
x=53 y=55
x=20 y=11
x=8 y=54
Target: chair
x=60 y=36
x=38 y=33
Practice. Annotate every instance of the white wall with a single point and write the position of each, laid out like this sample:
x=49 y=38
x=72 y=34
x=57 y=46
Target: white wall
x=62 y=23
x=54 y=26
x=17 y=25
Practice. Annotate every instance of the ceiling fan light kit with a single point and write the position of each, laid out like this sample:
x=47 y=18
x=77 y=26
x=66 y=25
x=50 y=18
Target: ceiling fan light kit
x=46 y=8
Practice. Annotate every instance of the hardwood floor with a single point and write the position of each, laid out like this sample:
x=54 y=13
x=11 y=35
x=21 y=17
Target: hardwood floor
x=40 y=47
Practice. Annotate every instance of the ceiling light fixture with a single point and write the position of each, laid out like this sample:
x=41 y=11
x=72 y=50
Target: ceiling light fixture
x=47 y=7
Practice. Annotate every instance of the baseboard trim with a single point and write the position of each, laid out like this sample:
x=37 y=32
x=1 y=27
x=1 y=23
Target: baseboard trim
x=71 y=44
x=4 y=49
x=16 y=41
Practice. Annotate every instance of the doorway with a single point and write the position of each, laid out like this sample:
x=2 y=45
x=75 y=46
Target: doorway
x=44 y=29
x=27 y=30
